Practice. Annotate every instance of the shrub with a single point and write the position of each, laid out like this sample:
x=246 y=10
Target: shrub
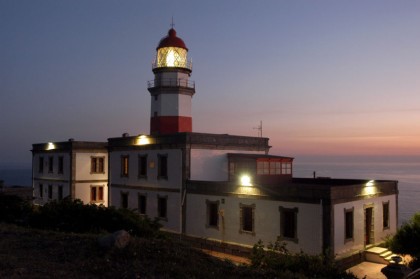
x=278 y=259
x=407 y=240
x=13 y=209
x=74 y=216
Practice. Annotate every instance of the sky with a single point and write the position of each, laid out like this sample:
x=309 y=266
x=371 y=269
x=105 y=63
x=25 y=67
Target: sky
x=326 y=78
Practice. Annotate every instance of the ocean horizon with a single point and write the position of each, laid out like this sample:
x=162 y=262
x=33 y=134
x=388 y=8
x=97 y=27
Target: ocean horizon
x=407 y=173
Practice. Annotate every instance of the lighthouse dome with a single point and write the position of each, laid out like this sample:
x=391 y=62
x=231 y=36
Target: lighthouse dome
x=171 y=40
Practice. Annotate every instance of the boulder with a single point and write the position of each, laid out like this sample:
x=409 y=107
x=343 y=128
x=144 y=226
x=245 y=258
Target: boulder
x=118 y=239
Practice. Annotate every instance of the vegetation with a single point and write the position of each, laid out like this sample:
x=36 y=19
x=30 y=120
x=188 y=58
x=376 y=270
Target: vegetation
x=73 y=216
x=277 y=259
x=407 y=240
x=59 y=239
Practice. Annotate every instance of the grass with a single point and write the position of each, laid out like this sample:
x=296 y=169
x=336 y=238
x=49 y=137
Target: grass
x=31 y=253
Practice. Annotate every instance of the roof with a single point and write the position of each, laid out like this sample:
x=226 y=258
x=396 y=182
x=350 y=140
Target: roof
x=171 y=40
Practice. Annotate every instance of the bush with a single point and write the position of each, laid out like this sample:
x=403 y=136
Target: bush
x=74 y=216
x=279 y=260
x=407 y=240
x=13 y=209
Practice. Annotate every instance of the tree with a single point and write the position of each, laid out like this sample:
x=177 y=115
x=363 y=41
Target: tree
x=407 y=240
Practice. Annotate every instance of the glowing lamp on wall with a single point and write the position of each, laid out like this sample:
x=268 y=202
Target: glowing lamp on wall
x=245 y=180
x=50 y=146
x=142 y=140
x=369 y=188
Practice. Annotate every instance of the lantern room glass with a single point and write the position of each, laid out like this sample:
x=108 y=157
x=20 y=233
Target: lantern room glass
x=171 y=57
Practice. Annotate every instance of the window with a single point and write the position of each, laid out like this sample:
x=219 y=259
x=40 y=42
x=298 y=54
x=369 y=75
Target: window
x=124 y=165
x=385 y=215
x=163 y=166
x=41 y=165
x=60 y=192
x=41 y=190
x=348 y=218
x=288 y=223
x=273 y=167
x=124 y=199
x=60 y=164
x=212 y=214
x=50 y=164
x=142 y=203
x=286 y=168
x=50 y=192
x=97 y=164
x=162 y=207
x=142 y=166
x=247 y=218
x=96 y=194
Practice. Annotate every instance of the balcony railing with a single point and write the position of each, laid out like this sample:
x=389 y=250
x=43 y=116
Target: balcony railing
x=171 y=82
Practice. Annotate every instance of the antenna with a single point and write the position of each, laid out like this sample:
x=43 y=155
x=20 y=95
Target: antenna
x=172 y=23
x=260 y=129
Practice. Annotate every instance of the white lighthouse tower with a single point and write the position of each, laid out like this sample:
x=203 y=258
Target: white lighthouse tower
x=171 y=91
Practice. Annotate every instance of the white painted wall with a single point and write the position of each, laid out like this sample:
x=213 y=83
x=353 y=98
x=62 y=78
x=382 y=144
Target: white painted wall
x=54 y=175
x=340 y=245
x=267 y=222
x=83 y=166
x=174 y=105
x=172 y=223
x=212 y=165
x=174 y=168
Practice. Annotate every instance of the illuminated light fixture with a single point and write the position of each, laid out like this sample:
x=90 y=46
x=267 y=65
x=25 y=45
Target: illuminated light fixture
x=370 y=183
x=50 y=146
x=170 y=58
x=246 y=180
x=369 y=188
x=142 y=140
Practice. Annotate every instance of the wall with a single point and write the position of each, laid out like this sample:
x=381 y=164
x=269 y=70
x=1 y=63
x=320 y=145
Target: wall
x=174 y=168
x=342 y=246
x=211 y=164
x=267 y=222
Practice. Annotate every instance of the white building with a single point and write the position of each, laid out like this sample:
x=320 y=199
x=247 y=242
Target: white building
x=193 y=182
x=70 y=169
x=218 y=187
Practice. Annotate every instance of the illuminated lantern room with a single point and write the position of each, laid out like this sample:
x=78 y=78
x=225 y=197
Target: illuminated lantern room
x=171 y=90
x=172 y=52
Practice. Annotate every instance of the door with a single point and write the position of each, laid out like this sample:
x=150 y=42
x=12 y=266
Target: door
x=369 y=226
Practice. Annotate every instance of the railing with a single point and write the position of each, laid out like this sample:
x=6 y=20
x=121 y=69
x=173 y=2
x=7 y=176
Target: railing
x=176 y=64
x=171 y=82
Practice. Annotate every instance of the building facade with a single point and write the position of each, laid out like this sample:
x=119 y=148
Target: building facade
x=74 y=169
x=219 y=187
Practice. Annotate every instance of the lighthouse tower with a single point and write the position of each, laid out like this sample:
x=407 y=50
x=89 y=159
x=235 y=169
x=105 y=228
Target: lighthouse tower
x=171 y=91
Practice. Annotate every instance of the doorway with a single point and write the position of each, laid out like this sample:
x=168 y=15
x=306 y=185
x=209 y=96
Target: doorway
x=369 y=226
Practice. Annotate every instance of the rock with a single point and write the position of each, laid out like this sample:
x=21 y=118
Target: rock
x=118 y=239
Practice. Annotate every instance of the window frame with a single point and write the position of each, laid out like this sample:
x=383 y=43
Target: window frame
x=41 y=190
x=125 y=165
x=124 y=199
x=97 y=164
x=60 y=165
x=211 y=213
x=41 y=164
x=50 y=164
x=348 y=224
x=50 y=191
x=242 y=220
x=142 y=166
x=97 y=193
x=386 y=216
x=162 y=166
x=60 y=192
x=285 y=226
x=142 y=206
x=160 y=214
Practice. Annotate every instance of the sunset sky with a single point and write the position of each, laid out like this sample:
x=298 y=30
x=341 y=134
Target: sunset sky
x=326 y=78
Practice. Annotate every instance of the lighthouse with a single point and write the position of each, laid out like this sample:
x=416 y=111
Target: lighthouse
x=171 y=90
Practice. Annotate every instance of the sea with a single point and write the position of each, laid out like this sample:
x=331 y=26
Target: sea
x=405 y=170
